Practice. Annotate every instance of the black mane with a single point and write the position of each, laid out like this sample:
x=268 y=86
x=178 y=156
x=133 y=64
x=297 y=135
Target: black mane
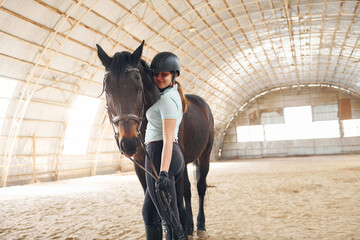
x=122 y=59
x=148 y=77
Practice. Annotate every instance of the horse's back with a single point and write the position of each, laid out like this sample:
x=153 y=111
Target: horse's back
x=197 y=128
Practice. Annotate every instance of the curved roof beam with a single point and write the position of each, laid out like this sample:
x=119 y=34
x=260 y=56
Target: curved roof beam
x=25 y=98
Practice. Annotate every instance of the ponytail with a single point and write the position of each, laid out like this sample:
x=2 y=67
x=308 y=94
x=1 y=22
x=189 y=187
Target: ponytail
x=185 y=103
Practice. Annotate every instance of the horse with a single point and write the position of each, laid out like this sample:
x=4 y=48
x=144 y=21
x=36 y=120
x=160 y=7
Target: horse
x=130 y=91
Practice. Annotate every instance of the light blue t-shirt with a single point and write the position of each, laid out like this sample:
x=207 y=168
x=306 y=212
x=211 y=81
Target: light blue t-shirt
x=169 y=106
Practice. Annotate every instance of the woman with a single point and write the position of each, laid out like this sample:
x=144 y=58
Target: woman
x=161 y=138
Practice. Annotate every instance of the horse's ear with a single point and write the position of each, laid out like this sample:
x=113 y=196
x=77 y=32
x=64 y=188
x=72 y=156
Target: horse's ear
x=105 y=59
x=136 y=55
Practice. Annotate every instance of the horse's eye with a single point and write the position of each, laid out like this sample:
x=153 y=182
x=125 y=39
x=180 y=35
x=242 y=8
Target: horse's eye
x=140 y=91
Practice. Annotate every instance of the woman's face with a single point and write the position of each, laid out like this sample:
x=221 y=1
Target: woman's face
x=162 y=79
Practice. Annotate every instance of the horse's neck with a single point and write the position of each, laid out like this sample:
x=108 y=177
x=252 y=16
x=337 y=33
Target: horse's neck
x=152 y=94
x=147 y=105
x=151 y=99
x=151 y=91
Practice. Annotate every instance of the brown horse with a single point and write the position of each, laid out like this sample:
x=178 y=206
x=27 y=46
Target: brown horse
x=130 y=92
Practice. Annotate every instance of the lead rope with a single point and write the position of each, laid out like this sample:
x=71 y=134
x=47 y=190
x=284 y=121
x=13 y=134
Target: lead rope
x=155 y=176
x=164 y=198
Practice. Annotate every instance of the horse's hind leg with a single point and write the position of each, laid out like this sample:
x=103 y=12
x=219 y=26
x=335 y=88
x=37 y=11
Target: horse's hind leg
x=201 y=187
x=179 y=199
x=187 y=197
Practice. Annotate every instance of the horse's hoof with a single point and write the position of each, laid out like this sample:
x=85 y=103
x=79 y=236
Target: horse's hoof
x=202 y=234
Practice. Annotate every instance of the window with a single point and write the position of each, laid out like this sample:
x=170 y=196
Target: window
x=351 y=127
x=298 y=115
x=276 y=132
x=326 y=129
x=79 y=126
x=298 y=125
x=250 y=133
x=6 y=92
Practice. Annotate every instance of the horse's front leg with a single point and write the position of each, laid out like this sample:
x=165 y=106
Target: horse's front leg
x=139 y=158
x=141 y=176
x=180 y=202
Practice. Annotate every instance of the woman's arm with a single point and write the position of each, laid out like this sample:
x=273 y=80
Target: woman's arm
x=168 y=137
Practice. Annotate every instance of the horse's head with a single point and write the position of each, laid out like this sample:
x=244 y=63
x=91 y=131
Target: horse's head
x=124 y=91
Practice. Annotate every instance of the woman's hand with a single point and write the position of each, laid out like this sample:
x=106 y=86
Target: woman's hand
x=164 y=181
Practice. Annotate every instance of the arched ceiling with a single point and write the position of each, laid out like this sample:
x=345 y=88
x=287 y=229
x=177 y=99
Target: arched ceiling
x=229 y=50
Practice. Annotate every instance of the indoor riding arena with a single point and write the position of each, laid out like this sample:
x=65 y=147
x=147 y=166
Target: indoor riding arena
x=282 y=80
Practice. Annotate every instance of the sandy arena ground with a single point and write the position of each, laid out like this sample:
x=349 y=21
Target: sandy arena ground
x=290 y=198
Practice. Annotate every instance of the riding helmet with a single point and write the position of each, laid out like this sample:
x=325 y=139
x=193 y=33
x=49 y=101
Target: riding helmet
x=165 y=62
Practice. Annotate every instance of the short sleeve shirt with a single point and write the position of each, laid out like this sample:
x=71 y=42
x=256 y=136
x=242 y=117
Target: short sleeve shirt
x=169 y=106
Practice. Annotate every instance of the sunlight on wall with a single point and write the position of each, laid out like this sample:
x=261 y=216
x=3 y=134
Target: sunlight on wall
x=6 y=92
x=298 y=125
x=298 y=115
x=81 y=120
x=250 y=133
x=351 y=127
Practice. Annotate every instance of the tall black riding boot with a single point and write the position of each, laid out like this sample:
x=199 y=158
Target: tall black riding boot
x=170 y=234
x=153 y=232
x=167 y=230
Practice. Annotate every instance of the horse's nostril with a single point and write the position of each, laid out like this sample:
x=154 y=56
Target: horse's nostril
x=129 y=146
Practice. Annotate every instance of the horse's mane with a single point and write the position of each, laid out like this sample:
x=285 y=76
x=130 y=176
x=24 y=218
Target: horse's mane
x=119 y=62
x=121 y=59
x=147 y=81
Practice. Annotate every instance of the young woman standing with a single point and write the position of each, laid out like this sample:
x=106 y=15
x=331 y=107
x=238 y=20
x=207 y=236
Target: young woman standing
x=161 y=137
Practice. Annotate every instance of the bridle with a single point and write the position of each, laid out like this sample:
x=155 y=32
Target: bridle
x=138 y=119
x=127 y=117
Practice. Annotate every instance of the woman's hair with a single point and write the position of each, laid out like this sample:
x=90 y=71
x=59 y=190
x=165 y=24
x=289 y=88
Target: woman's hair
x=185 y=103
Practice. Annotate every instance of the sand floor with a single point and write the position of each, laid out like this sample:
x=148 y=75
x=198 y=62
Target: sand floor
x=275 y=198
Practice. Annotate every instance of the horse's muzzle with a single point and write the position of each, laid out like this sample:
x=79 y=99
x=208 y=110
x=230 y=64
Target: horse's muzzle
x=129 y=146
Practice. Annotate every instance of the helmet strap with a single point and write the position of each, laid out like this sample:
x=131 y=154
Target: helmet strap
x=173 y=80
x=163 y=89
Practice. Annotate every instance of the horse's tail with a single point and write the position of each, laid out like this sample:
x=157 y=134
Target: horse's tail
x=196 y=170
